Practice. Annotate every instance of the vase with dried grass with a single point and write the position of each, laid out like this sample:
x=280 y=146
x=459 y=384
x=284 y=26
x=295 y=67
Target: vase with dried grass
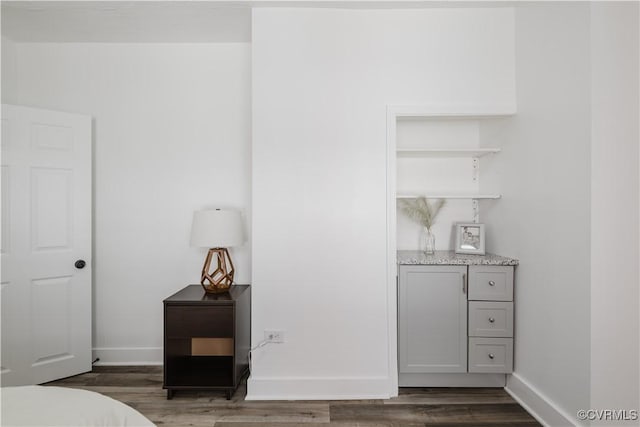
x=424 y=212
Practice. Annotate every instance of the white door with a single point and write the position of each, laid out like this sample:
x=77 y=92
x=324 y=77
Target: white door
x=432 y=327
x=46 y=228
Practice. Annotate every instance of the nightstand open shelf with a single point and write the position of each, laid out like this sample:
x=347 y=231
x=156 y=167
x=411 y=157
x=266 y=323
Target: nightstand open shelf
x=206 y=339
x=201 y=371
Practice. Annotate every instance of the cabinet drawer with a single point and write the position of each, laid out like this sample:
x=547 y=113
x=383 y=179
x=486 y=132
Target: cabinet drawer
x=490 y=283
x=491 y=355
x=490 y=319
x=194 y=321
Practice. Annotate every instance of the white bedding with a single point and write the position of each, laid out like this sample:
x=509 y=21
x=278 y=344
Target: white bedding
x=59 y=406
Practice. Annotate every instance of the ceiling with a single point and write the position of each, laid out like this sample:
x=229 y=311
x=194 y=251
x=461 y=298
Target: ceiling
x=149 y=21
x=126 y=21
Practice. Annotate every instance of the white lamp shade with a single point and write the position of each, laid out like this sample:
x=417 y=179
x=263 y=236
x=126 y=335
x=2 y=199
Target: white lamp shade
x=220 y=228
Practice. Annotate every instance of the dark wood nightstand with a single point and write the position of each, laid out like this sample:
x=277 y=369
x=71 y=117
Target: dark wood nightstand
x=206 y=339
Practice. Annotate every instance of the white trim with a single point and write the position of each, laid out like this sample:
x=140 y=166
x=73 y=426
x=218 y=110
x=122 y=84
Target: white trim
x=461 y=111
x=537 y=404
x=339 y=388
x=450 y=196
x=392 y=267
x=393 y=112
x=446 y=152
x=128 y=356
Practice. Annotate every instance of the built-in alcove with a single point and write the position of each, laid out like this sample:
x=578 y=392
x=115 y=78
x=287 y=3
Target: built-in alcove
x=440 y=156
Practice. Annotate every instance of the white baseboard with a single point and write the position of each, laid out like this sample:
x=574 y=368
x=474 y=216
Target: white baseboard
x=536 y=403
x=317 y=388
x=110 y=356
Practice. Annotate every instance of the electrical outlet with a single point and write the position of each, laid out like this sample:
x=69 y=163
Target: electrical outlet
x=273 y=336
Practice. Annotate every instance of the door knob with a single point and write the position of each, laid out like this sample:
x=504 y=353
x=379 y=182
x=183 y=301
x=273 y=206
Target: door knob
x=80 y=264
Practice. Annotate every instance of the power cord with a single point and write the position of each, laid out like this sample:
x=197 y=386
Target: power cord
x=259 y=345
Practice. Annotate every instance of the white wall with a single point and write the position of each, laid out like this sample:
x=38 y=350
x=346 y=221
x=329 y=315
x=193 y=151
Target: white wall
x=322 y=80
x=543 y=218
x=171 y=135
x=615 y=114
x=9 y=77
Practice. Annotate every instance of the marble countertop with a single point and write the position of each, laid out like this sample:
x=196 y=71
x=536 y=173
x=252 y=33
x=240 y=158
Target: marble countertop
x=451 y=258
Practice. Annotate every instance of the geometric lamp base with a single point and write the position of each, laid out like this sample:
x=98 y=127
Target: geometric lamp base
x=219 y=280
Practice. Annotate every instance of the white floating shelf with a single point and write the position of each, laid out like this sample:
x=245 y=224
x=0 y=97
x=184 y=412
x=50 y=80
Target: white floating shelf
x=452 y=111
x=449 y=196
x=452 y=152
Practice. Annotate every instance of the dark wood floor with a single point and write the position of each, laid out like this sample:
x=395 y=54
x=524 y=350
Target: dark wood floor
x=141 y=388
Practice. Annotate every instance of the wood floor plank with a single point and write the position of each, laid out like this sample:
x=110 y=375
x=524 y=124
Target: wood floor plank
x=370 y=424
x=184 y=420
x=77 y=380
x=451 y=396
x=149 y=369
x=256 y=412
x=141 y=388
x=111 y=379
x=470 y=414
x=330 y=424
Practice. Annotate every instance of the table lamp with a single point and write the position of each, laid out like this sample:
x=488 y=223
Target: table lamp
x=217 y=230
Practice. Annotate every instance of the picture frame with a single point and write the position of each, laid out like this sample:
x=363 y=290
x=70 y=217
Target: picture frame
x=469 y=238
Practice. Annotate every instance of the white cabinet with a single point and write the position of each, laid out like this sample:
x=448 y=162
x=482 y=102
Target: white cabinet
x=488 y=355
x=490 y=319
x=490 y=283
x=433 y=319
x=448 y=336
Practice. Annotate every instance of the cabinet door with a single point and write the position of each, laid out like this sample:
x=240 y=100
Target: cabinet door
x=432 y=311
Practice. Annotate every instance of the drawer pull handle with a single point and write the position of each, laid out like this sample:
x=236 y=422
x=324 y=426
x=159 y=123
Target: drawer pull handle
x=492 y=283
x=491 y=356
x=491 y=320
